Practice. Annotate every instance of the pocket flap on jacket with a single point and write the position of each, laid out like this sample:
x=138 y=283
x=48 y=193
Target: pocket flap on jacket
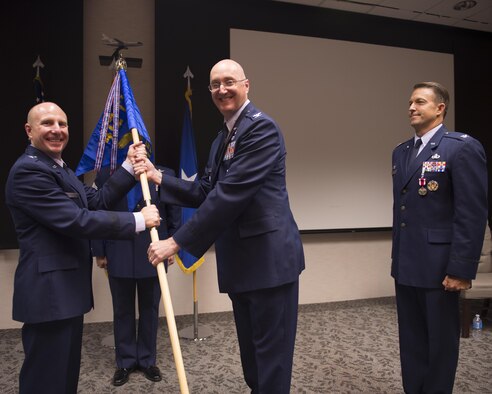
x=56 y=263
x=439 y=236
x=258 y=226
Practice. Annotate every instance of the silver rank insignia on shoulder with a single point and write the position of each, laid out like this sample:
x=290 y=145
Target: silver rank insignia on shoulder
x=435 y=156
x=32 y=157
x=256 y=115
x=464 y=135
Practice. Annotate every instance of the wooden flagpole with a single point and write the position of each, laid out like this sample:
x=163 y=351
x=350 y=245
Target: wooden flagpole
x=166 y=296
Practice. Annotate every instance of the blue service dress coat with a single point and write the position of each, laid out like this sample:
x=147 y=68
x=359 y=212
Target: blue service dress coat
x=440 y=211
x=243 y=208
x=55 y=215
x=128 y=258
x=440 y=232
x=131 y=274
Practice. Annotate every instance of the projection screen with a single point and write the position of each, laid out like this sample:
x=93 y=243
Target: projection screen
x=342 y=107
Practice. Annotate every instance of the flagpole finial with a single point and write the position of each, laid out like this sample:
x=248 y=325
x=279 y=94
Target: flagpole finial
x=120 y=63
x=188 y=75
x=37 y=64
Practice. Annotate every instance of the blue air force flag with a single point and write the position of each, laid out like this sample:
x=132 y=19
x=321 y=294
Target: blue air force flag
x=110 y=140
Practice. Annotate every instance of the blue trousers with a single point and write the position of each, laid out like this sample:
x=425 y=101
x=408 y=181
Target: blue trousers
x=52 y=357
x=266 y=323
x=429 y=330
x=135 y=347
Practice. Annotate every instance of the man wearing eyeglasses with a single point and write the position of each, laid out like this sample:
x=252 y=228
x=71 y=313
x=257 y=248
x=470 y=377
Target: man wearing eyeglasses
x=243 y=207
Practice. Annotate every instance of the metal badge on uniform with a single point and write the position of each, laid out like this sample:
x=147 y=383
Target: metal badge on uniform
x=422 y=189
x=432 y=186
x=393 y=170
x=435 y=156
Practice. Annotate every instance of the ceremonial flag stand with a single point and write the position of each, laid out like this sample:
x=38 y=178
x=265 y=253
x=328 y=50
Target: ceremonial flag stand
x=195 y=332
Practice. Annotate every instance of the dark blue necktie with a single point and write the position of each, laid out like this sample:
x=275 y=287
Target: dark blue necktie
x=415 y=151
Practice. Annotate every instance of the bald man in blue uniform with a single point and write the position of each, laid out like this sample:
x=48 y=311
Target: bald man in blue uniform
x=439 y=218
x=243 y=207
x=55 y=215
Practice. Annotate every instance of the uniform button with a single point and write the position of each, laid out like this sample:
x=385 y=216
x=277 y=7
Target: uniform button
x=403 y=191
x=402 y=225
x=403 y=207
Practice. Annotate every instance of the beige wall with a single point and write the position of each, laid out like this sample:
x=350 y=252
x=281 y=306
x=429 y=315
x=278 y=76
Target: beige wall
x=338 y=266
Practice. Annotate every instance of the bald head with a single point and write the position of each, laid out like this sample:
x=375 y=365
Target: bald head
x=230 y=66
x=233 y=88
x=42 y=108
x=47 y=129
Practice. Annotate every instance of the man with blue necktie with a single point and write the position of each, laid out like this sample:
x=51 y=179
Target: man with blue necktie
x=439 y=217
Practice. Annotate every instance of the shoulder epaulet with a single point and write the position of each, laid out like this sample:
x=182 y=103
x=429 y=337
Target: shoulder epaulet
x=456 y=135
x=254 y=115
x=401 y=143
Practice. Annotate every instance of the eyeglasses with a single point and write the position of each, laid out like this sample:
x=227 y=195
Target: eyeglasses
x=229 y=83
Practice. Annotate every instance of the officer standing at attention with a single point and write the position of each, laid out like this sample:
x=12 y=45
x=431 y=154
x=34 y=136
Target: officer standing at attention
x=439 y=217
x=130 y=275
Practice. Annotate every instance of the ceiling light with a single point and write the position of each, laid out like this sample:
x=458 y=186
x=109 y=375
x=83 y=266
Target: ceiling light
x=465 y=5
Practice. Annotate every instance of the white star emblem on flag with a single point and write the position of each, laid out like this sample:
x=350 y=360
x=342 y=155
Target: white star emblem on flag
x=186 y=177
